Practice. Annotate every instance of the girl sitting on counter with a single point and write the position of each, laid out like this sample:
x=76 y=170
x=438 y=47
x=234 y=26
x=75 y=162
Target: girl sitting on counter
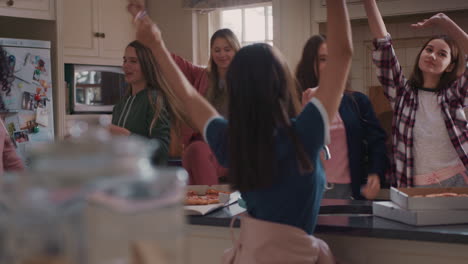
x=270 y=147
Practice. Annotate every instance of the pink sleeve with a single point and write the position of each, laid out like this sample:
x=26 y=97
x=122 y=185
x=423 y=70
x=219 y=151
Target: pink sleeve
x=197 y=76
x=11 y=161
x=192 y=72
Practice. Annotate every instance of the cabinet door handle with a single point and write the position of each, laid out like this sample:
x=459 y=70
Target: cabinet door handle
x=10 y=3
x=97 y=34
x=103 y=35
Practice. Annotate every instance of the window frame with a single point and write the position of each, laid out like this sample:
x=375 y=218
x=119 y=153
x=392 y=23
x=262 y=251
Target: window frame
x=242 y=40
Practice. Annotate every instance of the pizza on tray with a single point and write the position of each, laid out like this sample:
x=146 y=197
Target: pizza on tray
x=211 y=196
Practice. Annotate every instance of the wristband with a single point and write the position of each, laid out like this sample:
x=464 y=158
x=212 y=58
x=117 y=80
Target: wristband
x=141 y=14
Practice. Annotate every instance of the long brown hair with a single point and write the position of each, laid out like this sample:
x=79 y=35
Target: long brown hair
x=161 y=97
x=417 y=80
x=307 y=73
x=262 y=100
x=215 y=94
x=307 y=70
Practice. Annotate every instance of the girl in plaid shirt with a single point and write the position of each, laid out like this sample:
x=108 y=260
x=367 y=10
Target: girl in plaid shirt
x=429 y=128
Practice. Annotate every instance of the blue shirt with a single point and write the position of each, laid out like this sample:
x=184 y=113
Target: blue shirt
x=294 y=199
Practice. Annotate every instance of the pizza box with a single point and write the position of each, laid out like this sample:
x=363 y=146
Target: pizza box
x=392 y=211
x=225 y=199
x=404 y=197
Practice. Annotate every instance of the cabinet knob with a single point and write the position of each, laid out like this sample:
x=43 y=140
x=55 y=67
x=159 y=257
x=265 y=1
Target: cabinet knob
x=99 y=35
x=10 y=2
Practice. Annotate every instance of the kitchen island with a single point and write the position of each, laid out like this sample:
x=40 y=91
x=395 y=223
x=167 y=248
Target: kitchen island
x=352 y=232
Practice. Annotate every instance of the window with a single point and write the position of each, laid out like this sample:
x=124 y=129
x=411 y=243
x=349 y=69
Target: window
x=250 y=24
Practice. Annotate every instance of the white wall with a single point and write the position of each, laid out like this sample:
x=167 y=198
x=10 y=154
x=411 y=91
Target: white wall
x=292 y=26
x=176 y=25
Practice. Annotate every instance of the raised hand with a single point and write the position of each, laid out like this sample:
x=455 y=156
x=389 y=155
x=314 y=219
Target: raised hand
x=146 y=30
x=448 y=26
x=435 y=20
x=135 y=6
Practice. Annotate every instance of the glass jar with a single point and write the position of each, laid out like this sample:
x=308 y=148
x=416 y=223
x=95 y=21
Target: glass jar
x=93 y=199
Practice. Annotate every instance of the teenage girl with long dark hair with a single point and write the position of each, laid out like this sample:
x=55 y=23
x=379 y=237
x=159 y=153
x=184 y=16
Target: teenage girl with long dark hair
x=269 y=143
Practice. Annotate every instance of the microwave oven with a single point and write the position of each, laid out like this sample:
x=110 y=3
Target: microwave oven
x=94 y=88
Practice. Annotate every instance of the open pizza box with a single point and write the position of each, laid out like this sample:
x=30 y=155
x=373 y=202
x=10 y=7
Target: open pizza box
x=224 y=199
x=405 y=198
x=394 y=212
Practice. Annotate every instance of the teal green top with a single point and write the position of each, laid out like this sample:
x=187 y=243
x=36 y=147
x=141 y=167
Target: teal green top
x=135 y=113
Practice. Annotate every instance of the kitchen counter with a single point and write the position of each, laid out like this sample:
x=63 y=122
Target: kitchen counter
x=355 y=235
x=328 y=206
x=353 y=218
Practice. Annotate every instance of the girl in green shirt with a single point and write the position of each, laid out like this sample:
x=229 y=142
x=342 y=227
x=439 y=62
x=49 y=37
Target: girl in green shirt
x=147 y=108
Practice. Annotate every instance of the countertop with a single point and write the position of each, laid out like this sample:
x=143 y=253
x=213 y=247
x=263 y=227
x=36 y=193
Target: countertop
x=353 y=218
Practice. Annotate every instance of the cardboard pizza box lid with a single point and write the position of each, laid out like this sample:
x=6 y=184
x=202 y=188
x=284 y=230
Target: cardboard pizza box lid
x=404 y=197
x=392 y=211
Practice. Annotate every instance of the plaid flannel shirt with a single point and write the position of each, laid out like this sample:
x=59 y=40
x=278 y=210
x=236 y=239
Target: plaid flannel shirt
x=404 y=102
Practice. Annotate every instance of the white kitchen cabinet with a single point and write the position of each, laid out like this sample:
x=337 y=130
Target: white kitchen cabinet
x=38 y=9
x=96 y=31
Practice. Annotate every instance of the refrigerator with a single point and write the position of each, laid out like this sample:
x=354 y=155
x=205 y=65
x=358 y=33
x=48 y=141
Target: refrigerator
x=26 y=102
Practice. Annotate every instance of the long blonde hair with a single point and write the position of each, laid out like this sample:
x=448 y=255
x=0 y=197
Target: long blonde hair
x=214 y=94
x=161 y=97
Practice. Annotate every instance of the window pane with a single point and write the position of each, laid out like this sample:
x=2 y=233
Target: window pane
x=270 y=22
x=232 y=19
x=255 y=24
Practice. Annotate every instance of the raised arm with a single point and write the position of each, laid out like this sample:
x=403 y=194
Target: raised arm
x=197 y=108
x=389 y=71
x=376 y=23
x=447 y=25
x=340 y=50
x=192 y=72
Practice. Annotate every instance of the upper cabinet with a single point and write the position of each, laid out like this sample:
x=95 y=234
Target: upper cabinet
x=96 y=31
x=38 y=9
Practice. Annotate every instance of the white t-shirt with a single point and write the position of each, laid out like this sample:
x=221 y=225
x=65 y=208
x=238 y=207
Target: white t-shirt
x=432 y=148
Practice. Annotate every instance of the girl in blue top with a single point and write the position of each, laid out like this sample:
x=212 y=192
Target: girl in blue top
x=273 y=157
